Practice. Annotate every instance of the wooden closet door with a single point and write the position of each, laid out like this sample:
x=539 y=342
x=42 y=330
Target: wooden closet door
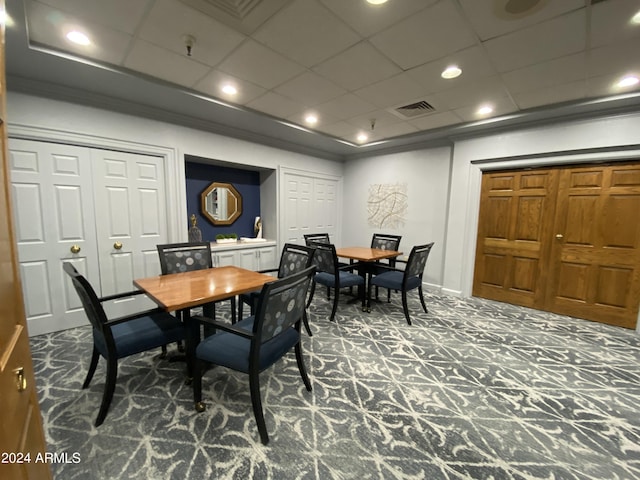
x=516 y=215
x=594 y=271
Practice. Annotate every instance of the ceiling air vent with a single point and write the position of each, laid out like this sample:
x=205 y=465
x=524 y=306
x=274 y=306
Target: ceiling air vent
x=414 y=110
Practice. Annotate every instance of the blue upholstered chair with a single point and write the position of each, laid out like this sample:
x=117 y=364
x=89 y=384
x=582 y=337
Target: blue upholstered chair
x=120 y=337
x=383 y=241
x=186 y=257
x=334 y=276
x=255 y=343
x=309 y=240
x=293 y=259
x=405 y=280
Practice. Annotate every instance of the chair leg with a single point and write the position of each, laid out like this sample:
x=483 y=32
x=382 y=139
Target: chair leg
x=424 y=305
x=405 y=307
x=305 y=320
x=388 y=295
x=256 y=401
x=302 y=368
x=197 y=386
x=109 y=388
x=95 y=356
x=163 y=353
x=336 y=298
x=312 y=290
x=328 y=293
x=240 y=309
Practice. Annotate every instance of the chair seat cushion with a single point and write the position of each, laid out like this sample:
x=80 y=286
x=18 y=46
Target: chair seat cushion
x=347 y=279
x=232 y=351
x=393 y=281
x=141 y=334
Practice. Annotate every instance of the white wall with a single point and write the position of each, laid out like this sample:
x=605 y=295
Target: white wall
x=607 y=138
x=60 y=117
x=426 y=173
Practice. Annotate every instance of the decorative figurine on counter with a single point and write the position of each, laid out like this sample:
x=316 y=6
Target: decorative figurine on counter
x=195 y=234
x=257 y=227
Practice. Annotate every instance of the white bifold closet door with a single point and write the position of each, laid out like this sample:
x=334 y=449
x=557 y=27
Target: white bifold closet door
x=104 y=211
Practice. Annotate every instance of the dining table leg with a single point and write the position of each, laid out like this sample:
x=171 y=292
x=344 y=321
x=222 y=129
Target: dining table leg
x=192 y=329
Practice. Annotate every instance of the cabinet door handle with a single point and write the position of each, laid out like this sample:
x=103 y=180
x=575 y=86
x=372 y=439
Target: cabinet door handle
x=559 y=236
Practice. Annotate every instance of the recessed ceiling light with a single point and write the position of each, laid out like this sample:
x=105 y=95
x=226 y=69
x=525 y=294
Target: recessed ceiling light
x=485 y=110
x=628 y=81
x=311 y=119
x=78 y=37
x=376 y=2
x=636 y=18
x=452 y=71
x=362 y=137
x=229 y=89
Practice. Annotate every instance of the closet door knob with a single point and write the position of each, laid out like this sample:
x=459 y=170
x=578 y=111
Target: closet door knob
x=117 y=245
x=74 y=249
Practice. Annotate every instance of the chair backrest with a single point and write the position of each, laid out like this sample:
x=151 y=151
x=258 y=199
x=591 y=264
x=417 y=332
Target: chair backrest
x=383 y=241
x=280 y=306
x=325 y=258
x=294 y=258
x=310 y=238
x=417 y=261
x=184 y=257
x=90 y=301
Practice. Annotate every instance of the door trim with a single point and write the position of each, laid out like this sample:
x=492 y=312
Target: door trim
x=476 y=169
x=175 y=183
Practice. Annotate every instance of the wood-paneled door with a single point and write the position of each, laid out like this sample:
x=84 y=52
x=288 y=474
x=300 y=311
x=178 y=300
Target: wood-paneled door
x=21 y=431
x=565 y=240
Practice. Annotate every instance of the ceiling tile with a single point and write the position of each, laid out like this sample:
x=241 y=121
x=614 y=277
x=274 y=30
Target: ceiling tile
x=609 y=25
x=472 y=61
x=549 y=95
x=607 y=85
x=108 y=14
x=616 y=59
x=341 y=130
x=368 y=19
x=254 y=62
x=306 y=32
x=169 y=21
x=501 y=106
x=490 y=18
x=310 y=89
x=392 y=91
x=555 y=38
x=435 y=120
x=276 y=105
x=429 y=34
x=389 y=131
x=212 y=84
x=357 y=67
x=158 y=62
x=546 y=74
x=49 y=27
x=485 y=90
x=345 y=106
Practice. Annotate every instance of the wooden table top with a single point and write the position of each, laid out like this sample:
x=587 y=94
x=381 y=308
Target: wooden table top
x=366 y=254
x=178 y=291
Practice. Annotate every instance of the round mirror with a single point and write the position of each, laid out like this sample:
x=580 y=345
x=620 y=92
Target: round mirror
x=221 y=203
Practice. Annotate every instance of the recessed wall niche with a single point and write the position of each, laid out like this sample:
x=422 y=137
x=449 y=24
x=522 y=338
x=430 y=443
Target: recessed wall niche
x=199 y=175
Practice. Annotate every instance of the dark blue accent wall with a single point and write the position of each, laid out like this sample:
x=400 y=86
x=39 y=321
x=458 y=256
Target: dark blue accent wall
x=199 y=176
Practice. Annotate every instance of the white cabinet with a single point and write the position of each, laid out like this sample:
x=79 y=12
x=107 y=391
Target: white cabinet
x=224 y=258
x=247 y=256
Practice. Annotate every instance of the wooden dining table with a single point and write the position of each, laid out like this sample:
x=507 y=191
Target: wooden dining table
x=183 y=291
x=366 y=256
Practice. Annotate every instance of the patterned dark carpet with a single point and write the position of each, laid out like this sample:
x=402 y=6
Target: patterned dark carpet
x=474 y=389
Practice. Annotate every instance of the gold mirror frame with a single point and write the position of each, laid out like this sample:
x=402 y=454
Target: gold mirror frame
x=217 y=211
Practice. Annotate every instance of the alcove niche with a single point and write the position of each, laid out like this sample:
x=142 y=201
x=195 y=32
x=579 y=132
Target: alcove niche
x=257 y=186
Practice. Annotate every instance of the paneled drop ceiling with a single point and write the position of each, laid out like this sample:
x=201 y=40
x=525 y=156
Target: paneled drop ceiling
x=359 y=69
